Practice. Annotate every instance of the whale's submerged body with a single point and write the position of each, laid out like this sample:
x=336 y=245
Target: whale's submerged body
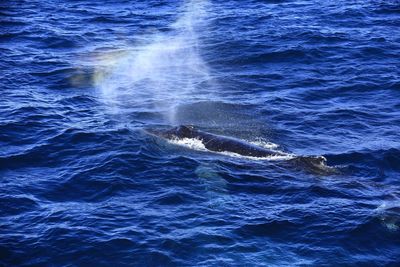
x=219 y=143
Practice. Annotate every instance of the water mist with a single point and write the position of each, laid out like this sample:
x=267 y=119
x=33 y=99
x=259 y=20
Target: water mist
x=163 y=72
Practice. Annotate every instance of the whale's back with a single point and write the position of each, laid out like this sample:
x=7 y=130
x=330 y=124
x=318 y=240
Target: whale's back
x=228 y=144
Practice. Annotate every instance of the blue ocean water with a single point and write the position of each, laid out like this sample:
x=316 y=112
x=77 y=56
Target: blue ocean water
x=82 y=184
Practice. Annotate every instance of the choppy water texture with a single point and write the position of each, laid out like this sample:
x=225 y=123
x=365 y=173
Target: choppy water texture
x=81 y=183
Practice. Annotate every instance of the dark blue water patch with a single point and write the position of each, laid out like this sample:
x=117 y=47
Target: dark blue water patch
x=49 y=151
x=387 y=7
x=378 y=165
x=86 y=187
x=17 y=205
x=173 y=198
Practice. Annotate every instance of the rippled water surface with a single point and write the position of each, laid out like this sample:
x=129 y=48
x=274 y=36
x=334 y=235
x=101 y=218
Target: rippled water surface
x=82 y=183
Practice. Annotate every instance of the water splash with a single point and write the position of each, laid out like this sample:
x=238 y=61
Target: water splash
x=163 y=72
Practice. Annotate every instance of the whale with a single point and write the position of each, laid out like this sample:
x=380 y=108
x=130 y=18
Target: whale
x=219 y=143
x=216 y=143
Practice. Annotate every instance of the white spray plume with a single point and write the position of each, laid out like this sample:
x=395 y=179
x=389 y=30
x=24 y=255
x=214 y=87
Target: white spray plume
x=164 y=72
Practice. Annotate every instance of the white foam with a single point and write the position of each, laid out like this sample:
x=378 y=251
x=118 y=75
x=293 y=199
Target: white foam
x=265 y=144
x=272 y=157
x=191 y=143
